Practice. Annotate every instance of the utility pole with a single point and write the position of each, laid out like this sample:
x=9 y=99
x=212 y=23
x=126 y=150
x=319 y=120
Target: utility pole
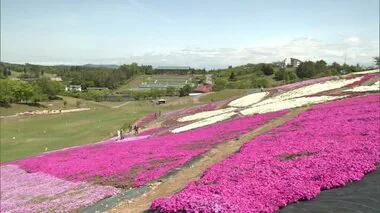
x=345 y=57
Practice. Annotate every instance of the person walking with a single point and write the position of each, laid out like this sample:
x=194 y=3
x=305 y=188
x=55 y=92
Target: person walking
x=130 y=128
x=121 y=134
x=136 y=130
x=118 y=134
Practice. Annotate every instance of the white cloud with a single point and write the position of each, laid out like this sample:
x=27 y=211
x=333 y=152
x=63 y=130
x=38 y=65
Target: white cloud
x=352 y=40
x=304 y=48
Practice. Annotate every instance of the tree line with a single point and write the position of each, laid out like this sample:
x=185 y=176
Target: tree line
x=268 y=75
x=42 y=89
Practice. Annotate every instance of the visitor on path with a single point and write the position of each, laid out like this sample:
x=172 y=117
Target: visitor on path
x=136 y=130
x=118 y=134
x=130 y=128
x=121 y=134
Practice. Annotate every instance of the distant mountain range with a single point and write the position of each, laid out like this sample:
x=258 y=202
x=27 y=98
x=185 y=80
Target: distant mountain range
x=110 y=66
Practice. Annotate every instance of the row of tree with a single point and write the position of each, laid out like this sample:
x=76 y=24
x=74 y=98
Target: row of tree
x=266 y=75
x=86 y=75
x=154 y=93
x=42 y=89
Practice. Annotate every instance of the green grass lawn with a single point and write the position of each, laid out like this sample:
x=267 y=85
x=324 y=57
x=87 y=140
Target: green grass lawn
x=34 y=134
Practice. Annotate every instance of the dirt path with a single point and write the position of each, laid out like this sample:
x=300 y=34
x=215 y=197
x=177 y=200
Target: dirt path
x=177 y=182
x=121 y=105
x=46 y=112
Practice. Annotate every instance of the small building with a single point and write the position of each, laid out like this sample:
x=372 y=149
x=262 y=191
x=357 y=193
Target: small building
x=180 y=70
x=293 y=62
x=56 y=79
x=161 y=101
x=73 y=88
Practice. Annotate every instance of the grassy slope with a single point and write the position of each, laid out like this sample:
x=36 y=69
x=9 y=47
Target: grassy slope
x=133 y=83
x=245 y=80
x=34 y=134
x=221 y=95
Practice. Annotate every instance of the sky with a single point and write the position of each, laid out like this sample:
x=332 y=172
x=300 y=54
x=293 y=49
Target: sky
x=197 y=33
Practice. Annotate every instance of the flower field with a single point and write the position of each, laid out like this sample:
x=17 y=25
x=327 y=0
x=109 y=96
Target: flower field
x=364 y=78
x=328 y=146
x=121 y=165
x=310 y=90
x=248 y=99
x=205 y=122
x=371 y=88
x=287 y=104
x=171 y=118
x=39 y=192
x=206 y=114
x=202 y=108
x=304 y=83
x=102 y=167
x=257 y=104
x=136 y=162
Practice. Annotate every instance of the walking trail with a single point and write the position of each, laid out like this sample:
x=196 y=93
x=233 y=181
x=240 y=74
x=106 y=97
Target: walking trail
x=178 y=181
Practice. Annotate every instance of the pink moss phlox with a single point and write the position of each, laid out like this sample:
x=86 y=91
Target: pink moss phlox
x=39 y=192
x=136 y=162
x=326 y=147
x=365 y=78
x=146 y=119
x=304 y=83
x=202 y=108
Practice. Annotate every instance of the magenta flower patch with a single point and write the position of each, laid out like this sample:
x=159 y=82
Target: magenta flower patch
x=328 y=146
x=136 y=162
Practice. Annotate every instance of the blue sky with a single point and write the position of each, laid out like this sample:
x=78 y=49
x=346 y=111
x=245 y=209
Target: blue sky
x=199 y=33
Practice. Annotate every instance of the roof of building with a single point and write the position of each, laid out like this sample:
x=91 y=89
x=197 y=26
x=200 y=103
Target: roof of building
x=173 y=68
x=295 y=59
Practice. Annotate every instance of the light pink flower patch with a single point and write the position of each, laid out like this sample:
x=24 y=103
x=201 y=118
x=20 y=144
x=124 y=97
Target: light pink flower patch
x=304 y=83
x=328 y=146
x=38 y=192
x=364 y=79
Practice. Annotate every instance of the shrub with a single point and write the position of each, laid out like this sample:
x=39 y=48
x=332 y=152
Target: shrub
x=259 y=82
x=268 y=69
